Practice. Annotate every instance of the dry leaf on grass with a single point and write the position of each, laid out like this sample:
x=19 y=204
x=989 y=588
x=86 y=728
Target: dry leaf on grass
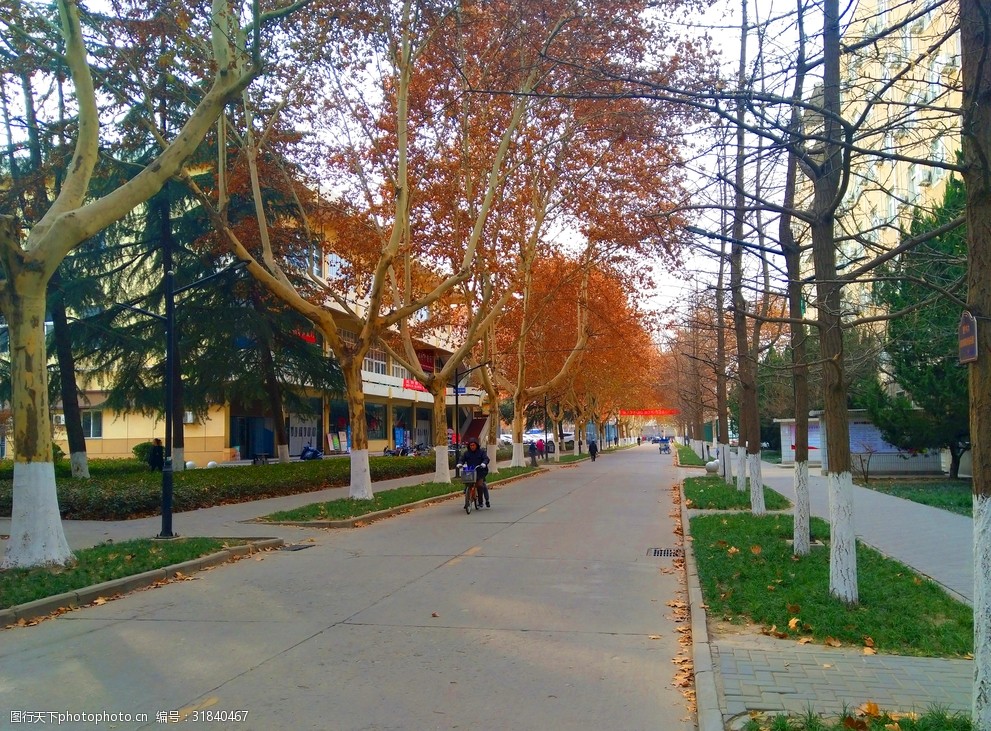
x=870 y=708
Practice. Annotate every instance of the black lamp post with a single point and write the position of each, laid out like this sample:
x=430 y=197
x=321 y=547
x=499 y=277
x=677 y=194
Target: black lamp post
x=457 y=412
x=172 y=376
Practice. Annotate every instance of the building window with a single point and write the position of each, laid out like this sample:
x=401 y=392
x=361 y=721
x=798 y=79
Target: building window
x=375 y=418
x=93 y=424
x=400 y=371
x=375 y=361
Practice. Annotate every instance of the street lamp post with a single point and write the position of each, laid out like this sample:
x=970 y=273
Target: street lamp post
x=172 y=375
x=170 y=382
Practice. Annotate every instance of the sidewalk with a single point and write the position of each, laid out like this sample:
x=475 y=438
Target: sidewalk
x=742 y=673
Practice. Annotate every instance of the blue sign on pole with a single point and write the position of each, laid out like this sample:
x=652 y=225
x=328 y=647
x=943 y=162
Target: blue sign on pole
x=460 y=389
x=967 y=337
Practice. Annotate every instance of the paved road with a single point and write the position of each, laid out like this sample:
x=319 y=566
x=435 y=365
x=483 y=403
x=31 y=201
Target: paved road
x=549 y=611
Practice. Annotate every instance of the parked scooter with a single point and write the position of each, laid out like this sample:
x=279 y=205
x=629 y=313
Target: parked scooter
x=310 y=452
x=406 y=451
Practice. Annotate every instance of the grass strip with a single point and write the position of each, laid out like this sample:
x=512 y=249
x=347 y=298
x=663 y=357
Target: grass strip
x=957 y=496
x=347 y=508
x=687 y=457
x=125 y=489
x=712 y=493
x=104 y=562
x=748 y=574
x=865 y=719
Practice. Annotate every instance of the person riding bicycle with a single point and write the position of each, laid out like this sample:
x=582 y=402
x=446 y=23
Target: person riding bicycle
x=476 y=458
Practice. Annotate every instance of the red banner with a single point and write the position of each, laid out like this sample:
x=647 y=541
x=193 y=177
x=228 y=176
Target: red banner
x=413 y=385
x=426 y=358
x=649 y=412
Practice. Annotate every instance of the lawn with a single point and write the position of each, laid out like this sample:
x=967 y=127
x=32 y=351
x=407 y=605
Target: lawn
x=101 y=563
x=712 y=493
x=346 y=508
x=687 y=457
x=953 y=495
x=749 y=575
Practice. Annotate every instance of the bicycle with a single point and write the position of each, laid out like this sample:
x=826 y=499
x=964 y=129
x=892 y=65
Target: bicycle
x=470 y=479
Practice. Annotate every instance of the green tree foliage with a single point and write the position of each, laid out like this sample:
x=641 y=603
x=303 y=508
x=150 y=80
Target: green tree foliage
x=921 y=344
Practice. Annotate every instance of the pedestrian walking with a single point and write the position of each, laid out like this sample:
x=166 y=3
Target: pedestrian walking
x=156 y=456
x=533 y=454
x=593 y=448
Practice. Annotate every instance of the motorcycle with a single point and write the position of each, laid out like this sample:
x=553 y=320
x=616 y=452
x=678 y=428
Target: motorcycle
x=406 y=451
x=310 y=452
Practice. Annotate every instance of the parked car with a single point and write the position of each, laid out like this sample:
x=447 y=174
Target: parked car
x=506 y=438
x=567 y=438
x=532 y=435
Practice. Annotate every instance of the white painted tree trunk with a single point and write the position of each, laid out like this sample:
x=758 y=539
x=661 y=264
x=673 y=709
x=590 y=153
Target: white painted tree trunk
x=842 y=539
x=741 y=469
x=361 y=476
x=178 y=459
x=518 y=457
x=79 y=465
x=981 y=712
x=757 y=506
x=726 y=463
x=283 y=450
x=801 y=543
x=493 y=450
x=442 y=466
x=36 y=536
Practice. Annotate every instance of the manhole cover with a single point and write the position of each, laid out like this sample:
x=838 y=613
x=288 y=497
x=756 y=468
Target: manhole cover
x=296 y=546
x=666 y=552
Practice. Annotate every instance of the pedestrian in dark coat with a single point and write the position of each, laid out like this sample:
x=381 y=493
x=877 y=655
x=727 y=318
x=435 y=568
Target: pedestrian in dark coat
x=156 y=456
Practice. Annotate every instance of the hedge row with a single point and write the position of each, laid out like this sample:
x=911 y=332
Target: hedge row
x=122 y=489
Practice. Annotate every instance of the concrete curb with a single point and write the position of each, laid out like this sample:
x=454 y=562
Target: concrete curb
x=710 y=715
x=126 y=584
x=381 y=514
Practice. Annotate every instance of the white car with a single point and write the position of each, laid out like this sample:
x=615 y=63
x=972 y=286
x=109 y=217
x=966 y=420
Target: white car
x=567 y=438
x=506 y=438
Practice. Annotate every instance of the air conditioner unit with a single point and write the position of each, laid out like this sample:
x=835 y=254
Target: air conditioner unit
x=188 y=417
x=59 y=419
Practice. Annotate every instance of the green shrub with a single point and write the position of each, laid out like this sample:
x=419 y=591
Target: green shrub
x=123 y=489
x=141 y=451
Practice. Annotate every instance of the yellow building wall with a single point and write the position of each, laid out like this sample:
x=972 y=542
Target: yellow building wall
x=206 y=439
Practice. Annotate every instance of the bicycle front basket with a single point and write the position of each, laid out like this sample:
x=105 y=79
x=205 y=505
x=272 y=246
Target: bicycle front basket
x=468 y=476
